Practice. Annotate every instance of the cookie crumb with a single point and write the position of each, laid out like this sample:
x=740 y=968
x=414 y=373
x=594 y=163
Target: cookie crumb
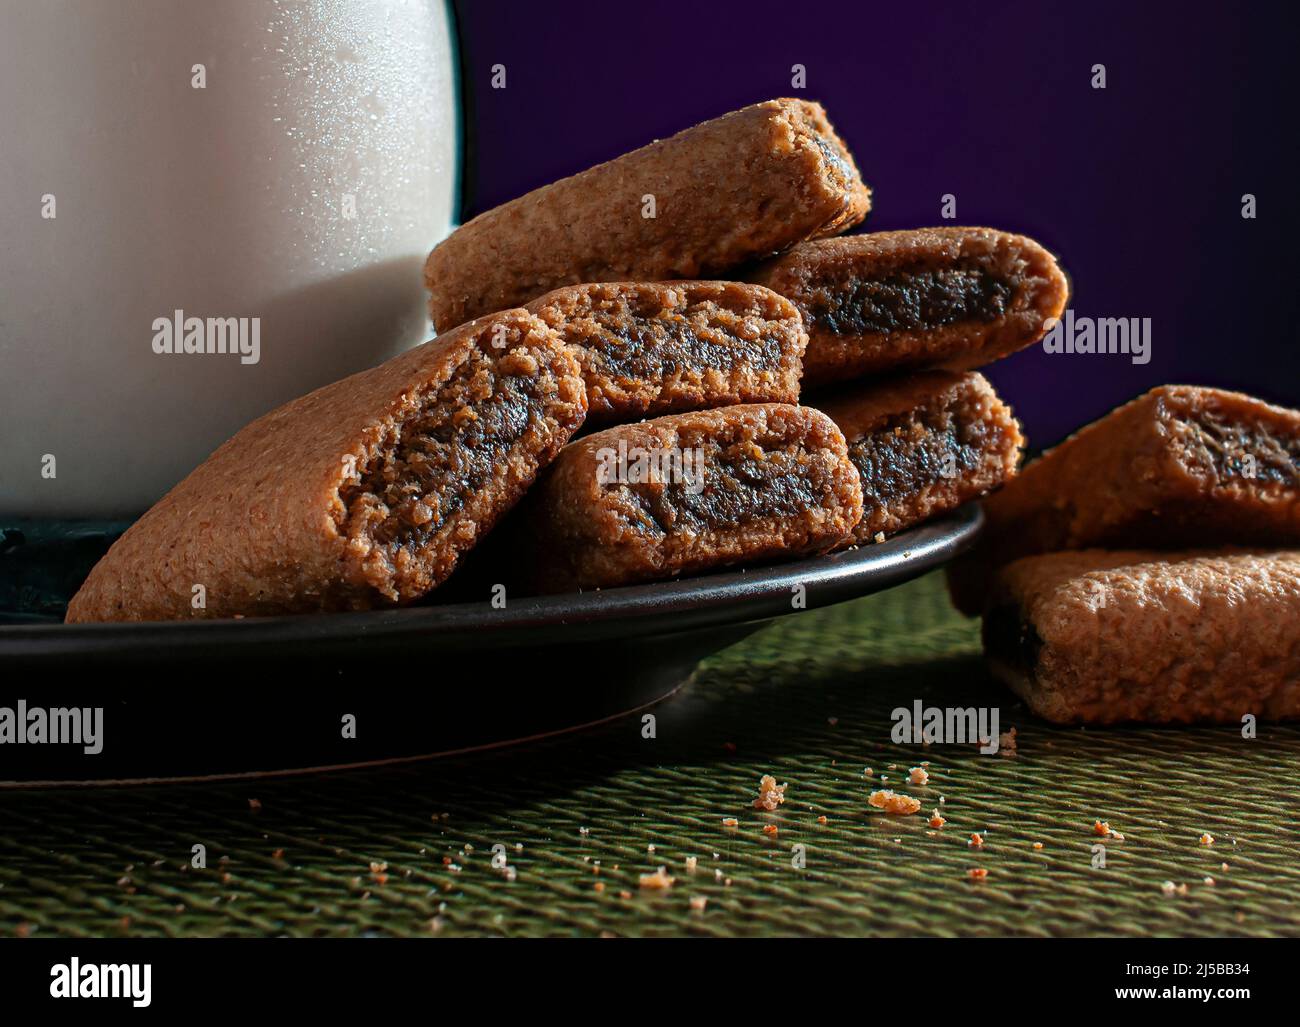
x=1038 y=845
x=1101 y=827
x=936 y=820
x=698 y=902
x=770 y=794
x=977 y=873
x=892 y=802
x=1207 y=839
x=976 y=840
x=918 y=776
x=730 y=822
x=769 y=830
x=657 y=880
x=691 y=863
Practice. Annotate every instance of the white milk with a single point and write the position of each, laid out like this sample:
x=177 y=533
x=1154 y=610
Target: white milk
x=303 y=187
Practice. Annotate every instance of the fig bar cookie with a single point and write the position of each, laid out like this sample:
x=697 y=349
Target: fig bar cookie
x=924 y=445
x=1179 y=466
x=651 y=348
x=731 y=190
x=1099 y=637
x=691 y=492
x=933 y=297
x=363 y=493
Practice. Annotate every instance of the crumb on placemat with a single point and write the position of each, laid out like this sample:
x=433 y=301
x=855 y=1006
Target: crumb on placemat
x=657 y=880
x=770 y=794
x=892 y=802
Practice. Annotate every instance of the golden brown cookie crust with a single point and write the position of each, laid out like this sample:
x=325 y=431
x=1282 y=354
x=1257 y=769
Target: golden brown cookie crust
x=952 y=297
x=363 y=493
x=1105 y=636
x=654 y=348
x=777 y=482
x=924 y=444
x=728 y=191
x=1168 y=469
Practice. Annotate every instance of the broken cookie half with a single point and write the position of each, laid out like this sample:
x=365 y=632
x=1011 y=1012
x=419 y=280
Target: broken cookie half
x=923 y=445
x=364 y=493
x=691 y=492
x=956 y=298
x=1179 y=466
x=653 y=348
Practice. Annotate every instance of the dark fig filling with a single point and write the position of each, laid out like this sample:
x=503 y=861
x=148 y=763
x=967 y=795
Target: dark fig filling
x=840 y=170
x=444 y=454
x=1011 y=639
x=1237 y=450
x=915 y=450
x=913 y=300
x=739 y=488
x=652 y=347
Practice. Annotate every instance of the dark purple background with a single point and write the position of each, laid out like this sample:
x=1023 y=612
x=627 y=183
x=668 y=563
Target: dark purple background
x=1136 y=187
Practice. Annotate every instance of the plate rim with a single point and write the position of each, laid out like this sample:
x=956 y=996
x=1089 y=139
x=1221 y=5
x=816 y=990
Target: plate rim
x=733 y=596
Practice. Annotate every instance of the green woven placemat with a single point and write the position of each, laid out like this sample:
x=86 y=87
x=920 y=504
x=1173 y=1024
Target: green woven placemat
x=409 y=850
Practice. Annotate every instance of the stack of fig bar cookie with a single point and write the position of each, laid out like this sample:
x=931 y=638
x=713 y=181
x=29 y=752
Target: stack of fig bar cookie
x=1093 y=610
x=680 y=300
x=719 y=302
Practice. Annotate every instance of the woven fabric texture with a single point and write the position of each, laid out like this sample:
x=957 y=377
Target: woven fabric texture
x=409 y=850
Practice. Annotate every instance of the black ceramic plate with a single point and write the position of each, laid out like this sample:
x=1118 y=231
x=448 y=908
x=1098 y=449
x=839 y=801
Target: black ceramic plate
x=423 y=680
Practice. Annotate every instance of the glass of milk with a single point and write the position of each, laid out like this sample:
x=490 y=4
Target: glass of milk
x=207 y=210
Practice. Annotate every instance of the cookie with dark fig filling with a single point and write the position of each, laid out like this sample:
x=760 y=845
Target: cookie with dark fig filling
x=365 y=493
x=1181 y=466
x=1103 y=637
x=713 y=197
x=956 y=298
x=923 y=445
x=690 y=492
x=653 y=348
